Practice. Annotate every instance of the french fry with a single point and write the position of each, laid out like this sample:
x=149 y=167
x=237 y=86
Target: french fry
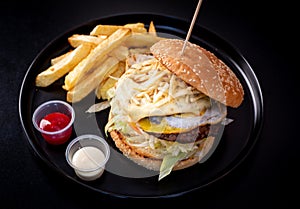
x=59 y=58
x=98 y=59
x=136 y=27
x=101 y=91
x=110 y=29
x=98 y=54
x=104 y=30
x=152 y=29
x=140 y=40
x=92 y=80
x=76 y=40
x=63 y=66
x=121 y=53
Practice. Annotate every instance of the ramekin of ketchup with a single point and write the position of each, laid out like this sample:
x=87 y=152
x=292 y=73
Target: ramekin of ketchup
x=54 y=120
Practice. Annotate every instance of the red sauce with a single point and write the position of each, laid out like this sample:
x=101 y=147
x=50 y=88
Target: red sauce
x=54 y=122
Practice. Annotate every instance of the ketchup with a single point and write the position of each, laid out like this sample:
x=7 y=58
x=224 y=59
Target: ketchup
x=55 y=122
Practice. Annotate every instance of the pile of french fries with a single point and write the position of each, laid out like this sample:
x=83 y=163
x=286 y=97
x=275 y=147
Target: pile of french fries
x=98 y=59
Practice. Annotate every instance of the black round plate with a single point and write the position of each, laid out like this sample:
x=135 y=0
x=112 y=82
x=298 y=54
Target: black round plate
x=236 y=143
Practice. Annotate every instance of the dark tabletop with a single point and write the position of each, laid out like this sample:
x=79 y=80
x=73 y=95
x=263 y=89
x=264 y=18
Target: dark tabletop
x=262 y=31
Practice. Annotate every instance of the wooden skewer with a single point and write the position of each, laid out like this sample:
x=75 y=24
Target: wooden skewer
x=191 y=26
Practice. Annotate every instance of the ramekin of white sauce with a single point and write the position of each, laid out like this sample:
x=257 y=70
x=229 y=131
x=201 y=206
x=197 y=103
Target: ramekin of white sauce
x=87 y=155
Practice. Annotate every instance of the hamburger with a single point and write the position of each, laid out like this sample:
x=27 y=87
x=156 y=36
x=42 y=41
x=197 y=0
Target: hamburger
x=169 y=106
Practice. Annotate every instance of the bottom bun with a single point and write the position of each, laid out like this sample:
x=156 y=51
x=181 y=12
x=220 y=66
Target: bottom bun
x=153 y=163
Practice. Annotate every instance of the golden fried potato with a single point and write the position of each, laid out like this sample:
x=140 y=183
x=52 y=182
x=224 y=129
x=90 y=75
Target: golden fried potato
x=104 y=30
x=121 y=53
x=152 y=29
x=76 y=40
x=92 y=80
x=97 y=60
x=141 y=40
x=101 y=71
x=63 y=66
x=109 y=82
x=136 y=27
x=97 y=55
x=59 y=58
x=109 y=29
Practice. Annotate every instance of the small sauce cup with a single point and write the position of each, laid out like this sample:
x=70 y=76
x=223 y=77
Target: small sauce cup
x=87 y=155
x=54 y=120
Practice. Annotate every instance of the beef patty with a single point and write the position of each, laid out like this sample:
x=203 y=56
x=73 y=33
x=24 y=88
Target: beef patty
x=193 y=135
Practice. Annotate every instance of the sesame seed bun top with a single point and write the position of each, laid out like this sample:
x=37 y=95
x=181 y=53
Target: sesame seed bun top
x=201 y=69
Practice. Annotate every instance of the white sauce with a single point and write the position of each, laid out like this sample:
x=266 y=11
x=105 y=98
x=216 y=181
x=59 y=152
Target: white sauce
x=88 y=159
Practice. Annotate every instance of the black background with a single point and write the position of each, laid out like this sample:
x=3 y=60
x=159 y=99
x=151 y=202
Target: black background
x=263 y=31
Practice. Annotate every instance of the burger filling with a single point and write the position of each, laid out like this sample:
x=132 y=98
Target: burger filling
x=155 y=110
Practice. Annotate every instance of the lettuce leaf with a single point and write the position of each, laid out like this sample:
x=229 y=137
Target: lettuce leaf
x=168 y=163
